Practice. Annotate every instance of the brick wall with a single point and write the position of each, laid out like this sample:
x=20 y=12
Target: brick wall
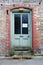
x=2 y=31
x=36 y=31
x=41 y=26
x=5 y=27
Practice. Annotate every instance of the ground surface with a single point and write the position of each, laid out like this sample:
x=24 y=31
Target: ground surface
x=21 y=62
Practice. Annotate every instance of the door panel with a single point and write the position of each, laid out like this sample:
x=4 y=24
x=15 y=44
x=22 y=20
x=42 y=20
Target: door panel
x=17 y=42
x=17 y=29
x=24 y=42
x=21 y=29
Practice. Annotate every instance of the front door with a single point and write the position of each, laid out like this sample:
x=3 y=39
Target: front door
x=21 y=29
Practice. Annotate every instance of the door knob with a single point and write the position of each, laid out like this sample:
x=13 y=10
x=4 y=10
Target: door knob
x=28 y=36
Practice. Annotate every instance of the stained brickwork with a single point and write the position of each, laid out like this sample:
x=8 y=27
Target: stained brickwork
x=2 y=31
x=37 y=26
x=41 y=26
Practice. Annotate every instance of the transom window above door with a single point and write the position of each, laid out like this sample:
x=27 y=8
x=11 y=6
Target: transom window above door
x=21 y=23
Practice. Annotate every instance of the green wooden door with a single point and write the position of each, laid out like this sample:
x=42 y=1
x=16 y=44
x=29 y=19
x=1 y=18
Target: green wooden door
x=21 y=29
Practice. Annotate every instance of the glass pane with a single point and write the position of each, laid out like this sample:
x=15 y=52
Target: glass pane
x=24 y=30
x=25 y=24
x=25 y=18
x=17 y=24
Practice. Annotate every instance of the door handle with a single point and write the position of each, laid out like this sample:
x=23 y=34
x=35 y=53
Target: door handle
x=21 y=36
x=28 y=36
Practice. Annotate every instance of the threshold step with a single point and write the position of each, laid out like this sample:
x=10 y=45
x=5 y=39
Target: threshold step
x=21 y=57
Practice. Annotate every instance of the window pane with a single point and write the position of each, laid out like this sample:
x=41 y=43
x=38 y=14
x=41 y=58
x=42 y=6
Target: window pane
x=24 y=30
x=25 y=18
x=25 y=24
x=17 y=24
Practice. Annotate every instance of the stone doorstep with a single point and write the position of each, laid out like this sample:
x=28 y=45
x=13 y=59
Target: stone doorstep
x=21 y=57
x=17 y=57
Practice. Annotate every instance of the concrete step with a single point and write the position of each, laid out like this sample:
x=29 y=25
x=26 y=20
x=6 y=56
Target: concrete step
x=22 y=52
x=21 y=48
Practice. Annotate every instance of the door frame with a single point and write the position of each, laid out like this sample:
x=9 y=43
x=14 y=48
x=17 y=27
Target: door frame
x=11 y=20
